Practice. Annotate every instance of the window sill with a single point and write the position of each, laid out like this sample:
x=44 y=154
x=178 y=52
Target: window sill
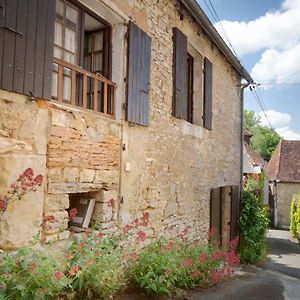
x=189 y=129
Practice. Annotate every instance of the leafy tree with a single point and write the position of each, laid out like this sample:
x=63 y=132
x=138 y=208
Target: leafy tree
x=264 y=139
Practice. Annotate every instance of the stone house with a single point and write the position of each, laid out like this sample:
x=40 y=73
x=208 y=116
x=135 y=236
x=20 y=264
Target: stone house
x=138 y=101
x=283 y=171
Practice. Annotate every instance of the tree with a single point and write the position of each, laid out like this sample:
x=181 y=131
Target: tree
x=264 y=139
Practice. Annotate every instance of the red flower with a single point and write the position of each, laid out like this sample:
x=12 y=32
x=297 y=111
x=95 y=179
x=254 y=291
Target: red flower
x=233 y=243
x=50 y=219
x=100 y=235
x=127 y=228
x=145 y=219
x=211 y=233
x=202 y=258
x=135 y=222
x=73 y=213
x=141 y=236
x=3 y=204
x=134 y=256
x=32 y=266
x=38 y=180
x=187 y=262
x=74 y=270
x=58 y=275
x=170 y=245
x=196 y=273
x=111 y=203
x=28 y=173
x=218 y=255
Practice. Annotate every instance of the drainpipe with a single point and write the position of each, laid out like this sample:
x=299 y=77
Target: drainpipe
x=243 y=87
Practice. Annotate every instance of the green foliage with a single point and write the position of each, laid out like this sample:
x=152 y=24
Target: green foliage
x=295 y=218
x=164 y=266
x=254 y=222
x=264 y=139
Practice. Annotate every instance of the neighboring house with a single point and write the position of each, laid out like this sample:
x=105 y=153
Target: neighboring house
x=136 y=101
x=283 y=171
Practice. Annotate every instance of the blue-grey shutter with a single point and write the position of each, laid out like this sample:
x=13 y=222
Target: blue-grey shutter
x=207 y=103
x=138 y=76
x=180 y=78
x=26 y=46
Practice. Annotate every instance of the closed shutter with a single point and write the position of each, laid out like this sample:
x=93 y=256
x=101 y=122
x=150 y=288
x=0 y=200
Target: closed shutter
x=26 y=46
x=235 y=199
x=216 y=212
x=207 y=103
x=138 y=78
x=180 y=71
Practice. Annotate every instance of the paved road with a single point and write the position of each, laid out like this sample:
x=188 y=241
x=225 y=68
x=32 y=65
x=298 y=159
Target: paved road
x=278 y=279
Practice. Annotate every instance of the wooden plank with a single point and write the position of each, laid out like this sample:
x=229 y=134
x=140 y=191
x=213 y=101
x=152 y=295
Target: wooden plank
x=105 y=98
x=9 y=45
x=113 y=94
x=84 y=91
x=60 y=83
x=73 y=87
x=2 y=22
x=216 y=212
x=31 y=33
x=40 y=49
x=180 y=105
x=48 y=55
x=234 y=218
x=95 y=92
x=207 y=103
x=19 y=66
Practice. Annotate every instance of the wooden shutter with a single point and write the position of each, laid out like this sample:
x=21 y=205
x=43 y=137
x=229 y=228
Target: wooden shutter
x=235 y=199
x=180 y=71
x=207 y=103
x=26 y=46
x=138 y=78
x=216 y=211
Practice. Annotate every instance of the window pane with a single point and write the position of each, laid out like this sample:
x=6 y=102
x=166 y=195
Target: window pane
x=97 y=62
x=54 y=84
x=69 y=57
x=67 y=88
x=59 y=7
x=57 y=53
x=98 y=36
x=71 y=14
x=70 y=40
x=58 y=34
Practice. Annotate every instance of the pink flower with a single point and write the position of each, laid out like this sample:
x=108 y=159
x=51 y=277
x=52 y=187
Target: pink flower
x=50 y=219
x=73 y=213
x=233 y=243
x=134 y=256
x=127 y=228
x=74 y=270
x=145 y=219
x=135 y=222
x=196 y=273
x=202 y=258
x=58 y=275
x=218 y=255
x=187 y=262
x=28 y=173
x=111 y=203
x=170 y=245
x=141 y=236
x=32 y=266
x=211 y=233
x=100 y=235
x=3 y=204
x=38 y=180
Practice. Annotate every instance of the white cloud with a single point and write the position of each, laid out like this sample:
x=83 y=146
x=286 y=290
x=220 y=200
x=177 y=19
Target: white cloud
x=279 y=67
x=278 y=29
x=288 y=134
x=276 y=118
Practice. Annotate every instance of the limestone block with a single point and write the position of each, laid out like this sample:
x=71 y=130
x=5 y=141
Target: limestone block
x=78 y=123
x=63 y=188
x=71 y=174
x=64 y=235
x=102 y=212
x=41 y=128
x=59 y=118
x=106 y=176
x=22 y=220
x=9 y=145
x=55 y=175
x=87 y=175
x=51 y=238
x=171 y=209
x=56 y=221
x=93 y=134
x=57 y=202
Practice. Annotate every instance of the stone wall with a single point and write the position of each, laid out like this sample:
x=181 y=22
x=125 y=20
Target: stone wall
x=166 y=169
x=284 y=195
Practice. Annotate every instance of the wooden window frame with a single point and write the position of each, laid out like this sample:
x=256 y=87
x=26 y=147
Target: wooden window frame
x=190 y=89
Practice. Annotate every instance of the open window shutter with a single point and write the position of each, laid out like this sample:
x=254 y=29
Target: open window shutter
x=235 y=192
x=138 y=79
x=180 y=81
x=26 y=46
x=207 y=104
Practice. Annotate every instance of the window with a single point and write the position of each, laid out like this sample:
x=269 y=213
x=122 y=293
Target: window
x=192 y=91
x=81 y=67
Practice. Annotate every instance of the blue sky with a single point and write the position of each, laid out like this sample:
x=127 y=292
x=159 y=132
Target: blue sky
x=266 y=36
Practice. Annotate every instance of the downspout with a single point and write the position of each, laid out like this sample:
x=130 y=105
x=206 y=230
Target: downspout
x=243 y=87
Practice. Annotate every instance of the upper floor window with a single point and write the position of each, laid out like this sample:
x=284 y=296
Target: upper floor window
x=192 y=88
x=81 y=67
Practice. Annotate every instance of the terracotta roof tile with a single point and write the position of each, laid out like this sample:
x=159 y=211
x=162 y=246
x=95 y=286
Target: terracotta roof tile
x=256 y=159
x=285 y=162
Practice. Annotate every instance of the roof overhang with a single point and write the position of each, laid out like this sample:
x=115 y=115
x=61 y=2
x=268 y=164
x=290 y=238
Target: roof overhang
x=197 y=12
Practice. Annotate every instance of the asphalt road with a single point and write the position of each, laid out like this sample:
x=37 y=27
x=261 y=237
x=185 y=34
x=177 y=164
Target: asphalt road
x=278 y=278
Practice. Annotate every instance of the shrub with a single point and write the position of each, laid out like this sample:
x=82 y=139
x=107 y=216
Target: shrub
x=166 y=265
x=295 y=218
x=254 y=223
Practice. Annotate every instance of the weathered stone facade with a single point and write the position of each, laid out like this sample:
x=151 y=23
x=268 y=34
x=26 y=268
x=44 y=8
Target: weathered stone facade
x=166 y=169
x=283 y=196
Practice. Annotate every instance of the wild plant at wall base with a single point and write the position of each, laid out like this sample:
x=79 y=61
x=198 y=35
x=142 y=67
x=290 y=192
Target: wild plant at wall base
x=254 y=223
x=295 y=218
